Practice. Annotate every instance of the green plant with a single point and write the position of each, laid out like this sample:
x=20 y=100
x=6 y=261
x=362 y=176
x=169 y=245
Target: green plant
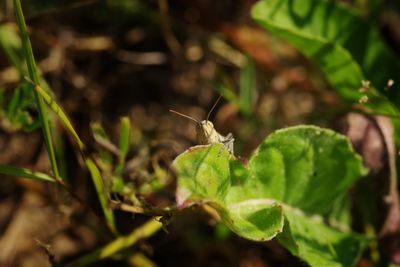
x=294 y=186
x=344 y=46
x=289 y=185
x=249 y=199
x=16 y=112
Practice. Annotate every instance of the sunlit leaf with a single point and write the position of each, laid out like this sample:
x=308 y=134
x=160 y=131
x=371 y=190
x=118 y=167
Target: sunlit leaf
x=25 y=173
x=290 y=184
x=345 y=47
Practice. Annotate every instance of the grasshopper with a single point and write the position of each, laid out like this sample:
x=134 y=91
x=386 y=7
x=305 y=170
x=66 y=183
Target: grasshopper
x=206 y=133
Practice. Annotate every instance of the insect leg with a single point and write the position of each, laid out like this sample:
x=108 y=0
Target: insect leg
x=227 y=142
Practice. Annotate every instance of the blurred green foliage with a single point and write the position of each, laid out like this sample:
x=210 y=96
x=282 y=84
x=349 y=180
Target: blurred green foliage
x=346 y=47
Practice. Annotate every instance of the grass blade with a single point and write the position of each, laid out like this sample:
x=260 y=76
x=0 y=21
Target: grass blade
x=40 y=95
x=34 y=76
x=118 y=244
x=101 y=193
x=93 y=169
x=25 y=173
x=118 y=183
x=61 y=115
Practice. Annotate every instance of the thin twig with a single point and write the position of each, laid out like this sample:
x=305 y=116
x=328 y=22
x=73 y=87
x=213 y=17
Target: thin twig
x=142 y=210
x=166 y=28
x=50 y=255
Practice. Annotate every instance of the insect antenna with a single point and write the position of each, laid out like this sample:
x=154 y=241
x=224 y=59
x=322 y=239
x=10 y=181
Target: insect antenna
x=213 y=107
x=185 y=116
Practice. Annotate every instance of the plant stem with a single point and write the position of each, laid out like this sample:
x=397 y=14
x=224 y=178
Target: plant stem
x=34 y=76
x=143 y=210
x=145 y=231
x=94 y=171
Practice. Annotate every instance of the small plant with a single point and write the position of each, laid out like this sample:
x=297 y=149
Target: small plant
x=288 y=187
x=294 y=186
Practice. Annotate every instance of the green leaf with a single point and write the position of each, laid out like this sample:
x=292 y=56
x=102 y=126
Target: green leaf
x=293 y=179
x=105 y=156
x=43 y=97
x=311 y=167
x=34 y=76
x=344 y=46
x=11 y=44
x=101 y=194
x=94 y=171
x=312 y=240
x=25 y=173
x=118 y=181
x=58 y=110
x=19 y=106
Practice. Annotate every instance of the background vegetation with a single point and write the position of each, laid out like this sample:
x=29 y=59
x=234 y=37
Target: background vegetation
x=87 y=144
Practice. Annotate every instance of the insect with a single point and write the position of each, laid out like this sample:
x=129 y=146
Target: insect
x=206 y=133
